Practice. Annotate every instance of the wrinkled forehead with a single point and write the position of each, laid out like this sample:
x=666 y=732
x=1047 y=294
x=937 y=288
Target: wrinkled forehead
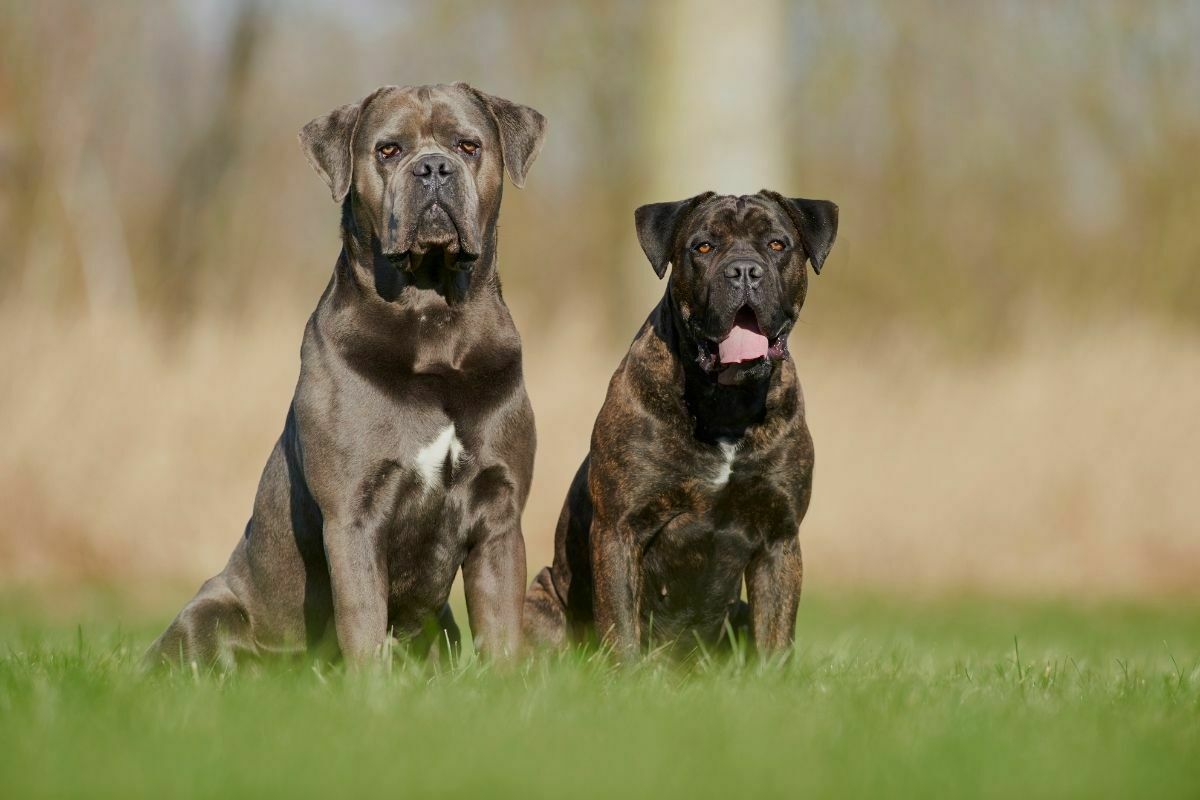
x=424 y=110
x=733 y=215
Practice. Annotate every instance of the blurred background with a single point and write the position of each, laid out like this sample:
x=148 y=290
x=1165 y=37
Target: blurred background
x=1001 y=359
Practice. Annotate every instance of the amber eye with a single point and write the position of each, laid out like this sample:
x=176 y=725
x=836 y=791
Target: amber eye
x=389 y=150
x=776 y=245
x=470 y=148
x=704 y=248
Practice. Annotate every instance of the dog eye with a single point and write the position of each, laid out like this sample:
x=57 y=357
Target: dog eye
x=776 y=245
x=704 y=248
x=470 y=148
x=389 y=150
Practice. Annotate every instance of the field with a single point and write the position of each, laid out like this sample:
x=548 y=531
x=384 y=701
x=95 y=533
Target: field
x=1000 y=362
x=969 y=698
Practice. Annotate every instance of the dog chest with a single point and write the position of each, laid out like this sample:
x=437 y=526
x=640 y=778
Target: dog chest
x=724 y=467
x=439 y=461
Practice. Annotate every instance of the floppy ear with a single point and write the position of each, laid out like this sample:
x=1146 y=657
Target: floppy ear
x=816 y=221
x=326 y=144
x=658 y=227
x=328 y=141
x=522 y=130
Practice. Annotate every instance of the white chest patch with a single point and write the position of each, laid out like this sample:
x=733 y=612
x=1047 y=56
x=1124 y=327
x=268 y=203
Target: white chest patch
x=436 y=461
x=729 y=452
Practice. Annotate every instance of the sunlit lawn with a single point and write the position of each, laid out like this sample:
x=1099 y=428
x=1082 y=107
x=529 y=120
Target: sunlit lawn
x=883 y=699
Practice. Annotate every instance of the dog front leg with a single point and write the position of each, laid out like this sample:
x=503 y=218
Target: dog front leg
x=494 y=580
x=773 y=580
x=358 y=580
x=617 y=574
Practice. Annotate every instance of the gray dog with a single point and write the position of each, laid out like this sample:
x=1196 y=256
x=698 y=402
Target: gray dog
x=408 y=447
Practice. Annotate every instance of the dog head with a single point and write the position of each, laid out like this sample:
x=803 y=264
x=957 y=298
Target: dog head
x=738 y=277
x=423 y=167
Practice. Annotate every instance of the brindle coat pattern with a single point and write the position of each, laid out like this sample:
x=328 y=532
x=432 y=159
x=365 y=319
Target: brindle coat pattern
x=693 y=484
x=408 y=448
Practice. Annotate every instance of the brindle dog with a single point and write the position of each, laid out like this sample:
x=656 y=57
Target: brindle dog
x=408 y=448
x=700 y=468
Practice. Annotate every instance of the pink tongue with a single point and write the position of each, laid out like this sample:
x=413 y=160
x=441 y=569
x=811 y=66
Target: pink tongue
x=742 y=344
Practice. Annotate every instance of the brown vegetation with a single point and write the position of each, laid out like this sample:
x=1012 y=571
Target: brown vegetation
x=1065 y=464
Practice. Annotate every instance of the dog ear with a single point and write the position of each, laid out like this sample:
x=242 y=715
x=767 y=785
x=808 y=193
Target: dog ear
x=816 y=221
x=522 y=131
x=658 y=227
x=328 y=144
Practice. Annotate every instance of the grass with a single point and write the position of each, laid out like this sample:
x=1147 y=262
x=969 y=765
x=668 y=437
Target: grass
x=970 y=698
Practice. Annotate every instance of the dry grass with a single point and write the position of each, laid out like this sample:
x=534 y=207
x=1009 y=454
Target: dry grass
x=1063 y=465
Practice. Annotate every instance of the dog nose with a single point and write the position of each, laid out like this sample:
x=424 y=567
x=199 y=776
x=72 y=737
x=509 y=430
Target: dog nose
x=433 y=164
x=744 y=273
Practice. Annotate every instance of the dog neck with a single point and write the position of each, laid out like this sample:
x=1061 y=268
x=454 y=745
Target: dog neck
x=719 y=411
x=387 y=324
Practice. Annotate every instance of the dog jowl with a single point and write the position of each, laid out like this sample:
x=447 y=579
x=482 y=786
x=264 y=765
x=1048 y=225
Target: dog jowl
x=407 y=451
x=700 y=469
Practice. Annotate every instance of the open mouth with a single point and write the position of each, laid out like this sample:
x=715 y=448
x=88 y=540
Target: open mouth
x=745 y=340
x=429 y=268
x=744 y=344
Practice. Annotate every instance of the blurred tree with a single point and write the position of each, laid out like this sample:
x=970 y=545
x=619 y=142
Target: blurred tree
x=986 y=157
x=193 y=214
